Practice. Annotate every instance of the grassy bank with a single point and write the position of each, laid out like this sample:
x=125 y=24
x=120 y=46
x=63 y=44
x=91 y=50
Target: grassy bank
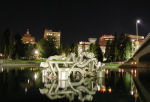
x=38 y=61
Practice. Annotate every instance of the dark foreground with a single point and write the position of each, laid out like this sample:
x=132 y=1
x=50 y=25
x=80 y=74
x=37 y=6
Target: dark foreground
x=123 y=85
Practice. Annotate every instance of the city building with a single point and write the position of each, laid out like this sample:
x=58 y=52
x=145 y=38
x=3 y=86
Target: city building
x=136 y=41
x=134 y=38
x=85 y=45
x=27 y=38
x=103 y=41
x=55 y=34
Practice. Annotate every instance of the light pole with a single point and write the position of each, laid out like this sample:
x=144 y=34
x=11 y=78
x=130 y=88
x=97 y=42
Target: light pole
x=137 y=22
x=137 y=42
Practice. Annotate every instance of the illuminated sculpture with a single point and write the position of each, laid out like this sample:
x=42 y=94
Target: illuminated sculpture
x=85 y=63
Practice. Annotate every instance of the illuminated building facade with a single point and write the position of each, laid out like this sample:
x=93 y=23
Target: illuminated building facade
x=85 y=45
x=55 y=34
x=27 y=38
x=134 y=38
x=103 y=41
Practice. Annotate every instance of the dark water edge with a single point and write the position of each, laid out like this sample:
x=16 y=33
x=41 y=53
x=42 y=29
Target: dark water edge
x=20 y=84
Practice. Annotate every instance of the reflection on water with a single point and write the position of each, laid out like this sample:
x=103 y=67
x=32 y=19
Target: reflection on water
x=83 y=88
x=30 y=84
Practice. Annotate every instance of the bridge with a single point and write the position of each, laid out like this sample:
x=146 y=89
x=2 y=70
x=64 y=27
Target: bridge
x=142 y=55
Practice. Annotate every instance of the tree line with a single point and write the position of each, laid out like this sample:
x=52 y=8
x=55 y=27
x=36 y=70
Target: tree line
x=12 y=47
x=119 y=49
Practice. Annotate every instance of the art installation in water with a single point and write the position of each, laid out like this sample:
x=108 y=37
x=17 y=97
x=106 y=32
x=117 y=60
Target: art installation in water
x=71 y=73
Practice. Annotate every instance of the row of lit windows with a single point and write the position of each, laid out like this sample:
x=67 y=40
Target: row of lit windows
x=51 y=34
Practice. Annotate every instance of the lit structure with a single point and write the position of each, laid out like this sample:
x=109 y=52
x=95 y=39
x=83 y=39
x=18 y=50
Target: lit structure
x=85 y=45
x=85 y=63
x=103 y=41
x=55 y=34
x=137 y=41
x=27 y=38
x=135 y=37
x=57 y=79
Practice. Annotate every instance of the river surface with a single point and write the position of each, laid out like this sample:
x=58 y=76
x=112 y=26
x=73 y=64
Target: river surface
x=29 y=85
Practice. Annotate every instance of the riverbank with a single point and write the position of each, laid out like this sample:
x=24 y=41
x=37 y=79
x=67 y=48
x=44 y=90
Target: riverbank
x=22 y=62
x=36 y=63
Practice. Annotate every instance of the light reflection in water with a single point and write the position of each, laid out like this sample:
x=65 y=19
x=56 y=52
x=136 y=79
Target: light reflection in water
x=2 y=69
x=28 y=81
x=83 y=87
x=26 y=89
x=35 y=76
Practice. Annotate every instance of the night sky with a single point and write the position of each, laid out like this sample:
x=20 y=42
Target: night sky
x=75 y=19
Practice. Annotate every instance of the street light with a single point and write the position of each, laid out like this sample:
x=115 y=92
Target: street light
x=137 y=42
x=137 y=22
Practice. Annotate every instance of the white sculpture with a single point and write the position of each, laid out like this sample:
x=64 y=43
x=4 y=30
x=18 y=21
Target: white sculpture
x=85 y=63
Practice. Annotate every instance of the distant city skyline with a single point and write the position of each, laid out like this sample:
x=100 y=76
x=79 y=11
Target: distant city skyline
x=76 y=20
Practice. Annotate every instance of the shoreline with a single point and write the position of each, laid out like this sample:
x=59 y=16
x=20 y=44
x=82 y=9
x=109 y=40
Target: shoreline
x=19 y=65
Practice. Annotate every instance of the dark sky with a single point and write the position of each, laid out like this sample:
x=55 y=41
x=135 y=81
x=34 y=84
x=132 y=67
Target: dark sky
x=75 y=19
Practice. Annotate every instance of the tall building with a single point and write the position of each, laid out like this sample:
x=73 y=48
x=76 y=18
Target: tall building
x=27 y=38
x=103 y=41
x=55 y=34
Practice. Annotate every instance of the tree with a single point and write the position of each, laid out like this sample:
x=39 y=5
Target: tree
x=114 y=53
x=128 y=48
x=125 y=47
x=19 y=47
x=97 y=51
x=92 y=48
x=107 y=54
x=60 y=49
x=29 y=50
x=7 y=43
x=74 y=48
x=67 y=50
x=47 y=47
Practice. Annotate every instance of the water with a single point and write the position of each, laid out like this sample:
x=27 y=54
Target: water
x=28 y=85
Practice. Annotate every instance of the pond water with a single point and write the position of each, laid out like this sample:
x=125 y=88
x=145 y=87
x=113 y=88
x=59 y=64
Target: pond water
x=29 y=84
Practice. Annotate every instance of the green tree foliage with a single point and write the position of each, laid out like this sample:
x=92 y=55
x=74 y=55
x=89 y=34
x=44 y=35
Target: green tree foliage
x=128 y=48
x=119 y=49
x=60 y=49
x=107 y=54
x=114 y=53
x=67 y=50
x=74 y=48
x=125 y=47
x=47 y=47
x=97 y=51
